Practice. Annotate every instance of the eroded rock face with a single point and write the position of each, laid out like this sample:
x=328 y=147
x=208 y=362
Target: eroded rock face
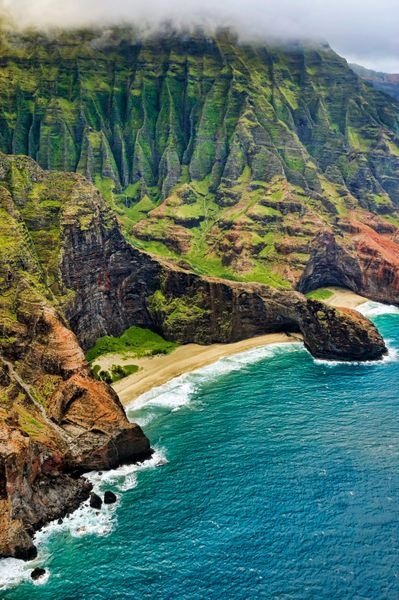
x=55 y=420
x=367 y=262
x=34 y=490
x=340 y=334
x=233 y=311
x=185 y=307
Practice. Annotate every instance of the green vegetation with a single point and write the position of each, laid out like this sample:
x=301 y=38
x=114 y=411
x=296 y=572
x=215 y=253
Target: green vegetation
x=29 y=423
x=116 y=372
x=177 y=312
x=135 y=341
x=320 y=294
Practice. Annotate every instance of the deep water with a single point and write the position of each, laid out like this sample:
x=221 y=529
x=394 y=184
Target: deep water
x=277 y=477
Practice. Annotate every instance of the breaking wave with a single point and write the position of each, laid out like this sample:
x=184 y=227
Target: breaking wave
x=375 y=309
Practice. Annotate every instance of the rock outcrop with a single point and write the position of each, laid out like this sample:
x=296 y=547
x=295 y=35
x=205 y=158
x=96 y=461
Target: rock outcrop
x=55 y=420
x=340 y=334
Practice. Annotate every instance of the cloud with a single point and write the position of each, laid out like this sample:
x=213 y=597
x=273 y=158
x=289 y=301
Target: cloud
x=364 y=31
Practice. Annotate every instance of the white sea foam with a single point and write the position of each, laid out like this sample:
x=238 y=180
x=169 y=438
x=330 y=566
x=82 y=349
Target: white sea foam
x=174 y=394
x=84 y=521
x=392 y=356
x=125 y=477
x=13 y=572
x=375 y=309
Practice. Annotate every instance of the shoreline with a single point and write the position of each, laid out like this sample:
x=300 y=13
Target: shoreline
x=158 y=370
x=155 y=371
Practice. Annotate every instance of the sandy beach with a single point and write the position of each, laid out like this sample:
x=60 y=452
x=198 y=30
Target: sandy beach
x=157 y=370
x=346 y=298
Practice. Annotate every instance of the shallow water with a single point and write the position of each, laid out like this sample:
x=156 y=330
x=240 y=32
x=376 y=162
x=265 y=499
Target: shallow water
x=275 y=476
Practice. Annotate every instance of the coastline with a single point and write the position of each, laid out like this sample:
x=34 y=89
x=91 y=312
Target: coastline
x=157 y=370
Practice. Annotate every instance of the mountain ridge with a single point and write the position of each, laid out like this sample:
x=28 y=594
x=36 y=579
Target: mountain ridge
x=207 y=149
x=384 y=82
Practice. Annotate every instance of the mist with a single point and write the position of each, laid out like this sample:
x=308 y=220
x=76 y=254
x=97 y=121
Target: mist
x=364 y=31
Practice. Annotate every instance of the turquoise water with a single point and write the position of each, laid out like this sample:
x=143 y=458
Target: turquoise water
x=277 y=477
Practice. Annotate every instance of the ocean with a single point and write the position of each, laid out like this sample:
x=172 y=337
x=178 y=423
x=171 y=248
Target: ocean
x=275 y=476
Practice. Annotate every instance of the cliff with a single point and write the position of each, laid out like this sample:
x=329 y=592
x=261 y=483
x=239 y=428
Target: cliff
x=55 y=420
x=102 y=285
x=266 y=164
x=366 y=261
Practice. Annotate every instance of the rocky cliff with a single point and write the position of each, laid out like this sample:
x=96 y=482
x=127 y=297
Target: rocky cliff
x=84 y=267
x=112 y=286
x=265 y=164
x=55 y=420
x=365 y=261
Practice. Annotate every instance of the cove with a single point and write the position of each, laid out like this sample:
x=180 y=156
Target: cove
x=275 y=476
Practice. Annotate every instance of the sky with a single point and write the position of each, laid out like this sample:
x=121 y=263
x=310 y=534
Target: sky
x=364 y=31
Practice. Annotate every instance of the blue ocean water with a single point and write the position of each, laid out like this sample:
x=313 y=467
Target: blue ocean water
x=275 y=476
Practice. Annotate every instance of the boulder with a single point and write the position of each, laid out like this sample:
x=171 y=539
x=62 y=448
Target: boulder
x=109 y=497
x=37 y=573
x=95 y=501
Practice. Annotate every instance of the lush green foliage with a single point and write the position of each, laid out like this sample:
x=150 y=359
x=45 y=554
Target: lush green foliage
x=135 y=341
x=227 y=157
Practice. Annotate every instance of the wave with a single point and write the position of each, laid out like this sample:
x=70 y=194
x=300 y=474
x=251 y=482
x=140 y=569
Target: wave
x=179 y=391
x=84 y=521
x=13 y=572
x=375 y=309
x=392 y=356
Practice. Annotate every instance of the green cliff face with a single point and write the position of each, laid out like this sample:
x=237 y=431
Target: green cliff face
x=229 y=157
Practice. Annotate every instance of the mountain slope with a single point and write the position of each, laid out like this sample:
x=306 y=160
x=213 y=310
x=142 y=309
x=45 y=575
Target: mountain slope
x=385 y=82
x=231 y=158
